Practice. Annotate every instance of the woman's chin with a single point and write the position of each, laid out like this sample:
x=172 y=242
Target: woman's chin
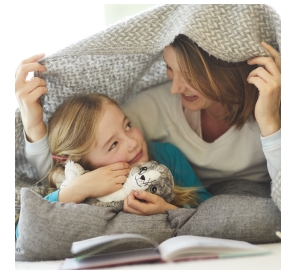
x=191 y=106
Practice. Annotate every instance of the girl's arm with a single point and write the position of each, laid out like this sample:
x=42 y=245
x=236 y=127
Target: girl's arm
x=99 y=182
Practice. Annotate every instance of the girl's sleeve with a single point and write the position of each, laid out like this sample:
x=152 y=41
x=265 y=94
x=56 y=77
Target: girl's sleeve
x=271 y=146
x=175 y=160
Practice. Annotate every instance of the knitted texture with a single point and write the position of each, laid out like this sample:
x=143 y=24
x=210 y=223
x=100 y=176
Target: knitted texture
x=126 y=58
x=276 y=190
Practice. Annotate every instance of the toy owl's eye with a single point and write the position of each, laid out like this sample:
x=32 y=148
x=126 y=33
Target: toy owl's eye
x=142 y=170
x=153 y=189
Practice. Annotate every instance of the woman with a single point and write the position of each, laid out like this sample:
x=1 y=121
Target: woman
x=225 y=117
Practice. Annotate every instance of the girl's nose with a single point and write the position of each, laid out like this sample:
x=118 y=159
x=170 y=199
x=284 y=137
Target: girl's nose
x=132 y=144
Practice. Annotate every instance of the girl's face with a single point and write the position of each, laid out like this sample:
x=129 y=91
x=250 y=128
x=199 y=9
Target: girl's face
x=117 y=140
x=192 y=99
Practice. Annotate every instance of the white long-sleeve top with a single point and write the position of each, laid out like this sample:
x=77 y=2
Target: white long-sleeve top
x=237 y=154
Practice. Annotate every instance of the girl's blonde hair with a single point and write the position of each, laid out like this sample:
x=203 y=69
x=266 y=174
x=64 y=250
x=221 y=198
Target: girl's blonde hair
x=72 y=130
x=218 y=80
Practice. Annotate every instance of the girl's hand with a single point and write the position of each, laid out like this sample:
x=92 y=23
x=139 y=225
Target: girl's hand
x=146 y=203
x=267 y=78
x=28 y=94
x=99 y=182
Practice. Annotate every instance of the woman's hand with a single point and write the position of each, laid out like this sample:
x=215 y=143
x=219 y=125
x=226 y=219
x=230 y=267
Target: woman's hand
x=97 y=183
x=267 y=78
x=146 y=203
x=28 y=94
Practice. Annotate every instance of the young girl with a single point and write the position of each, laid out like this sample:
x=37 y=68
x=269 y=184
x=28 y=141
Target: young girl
x=92 y=130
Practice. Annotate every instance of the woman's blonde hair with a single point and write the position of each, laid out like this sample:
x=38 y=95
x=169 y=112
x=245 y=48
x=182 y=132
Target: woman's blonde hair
x=72 y=130
x=218 y=80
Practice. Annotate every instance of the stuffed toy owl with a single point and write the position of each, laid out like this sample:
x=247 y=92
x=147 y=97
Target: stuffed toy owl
x=151 y=176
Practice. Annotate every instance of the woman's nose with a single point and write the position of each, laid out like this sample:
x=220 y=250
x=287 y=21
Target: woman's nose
x=178 y=85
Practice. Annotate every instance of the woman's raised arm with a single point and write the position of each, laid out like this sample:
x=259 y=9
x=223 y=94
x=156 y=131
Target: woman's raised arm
x=267 y=78
x=28 y=93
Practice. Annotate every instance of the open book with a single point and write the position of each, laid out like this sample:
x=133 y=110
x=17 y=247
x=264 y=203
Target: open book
x=174 y=249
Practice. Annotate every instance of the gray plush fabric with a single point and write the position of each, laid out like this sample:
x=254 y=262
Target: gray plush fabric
x=240 y=210
x=45 y=234
x=121 y=61
x=255 y=219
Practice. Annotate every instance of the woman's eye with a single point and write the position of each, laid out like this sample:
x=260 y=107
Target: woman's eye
x=113 y=145
x=128 y=126
x=187 y=77
x=168 y=68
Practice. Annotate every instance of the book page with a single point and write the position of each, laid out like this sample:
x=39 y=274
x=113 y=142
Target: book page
x=95 y=245
x=146 y=255
x=182 y=246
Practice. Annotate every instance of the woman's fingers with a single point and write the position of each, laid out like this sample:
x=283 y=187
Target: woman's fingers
x=268 y=63
x=23 y=71
x=273 y=63
x=274 y=53
x=32 y=59
x=30 y=91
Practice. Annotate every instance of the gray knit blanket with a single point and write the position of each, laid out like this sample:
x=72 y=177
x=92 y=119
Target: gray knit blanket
x=126 y=58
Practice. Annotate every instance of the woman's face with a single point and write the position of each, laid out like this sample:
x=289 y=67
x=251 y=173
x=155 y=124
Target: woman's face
x=117 y=140
x=191 y=99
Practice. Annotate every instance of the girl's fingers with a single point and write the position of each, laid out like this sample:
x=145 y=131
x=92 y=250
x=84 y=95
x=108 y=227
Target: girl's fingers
x=147 y=196
x=130 y=202
x=120 y=180
x=119 y=165
x=121 y=172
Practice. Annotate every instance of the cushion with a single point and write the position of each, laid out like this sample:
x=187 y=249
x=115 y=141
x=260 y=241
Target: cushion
x=47 y=230
x=239 y=217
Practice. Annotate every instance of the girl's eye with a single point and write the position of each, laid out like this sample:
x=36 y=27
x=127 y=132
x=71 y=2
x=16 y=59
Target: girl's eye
x=128 y=126
x=113 y=145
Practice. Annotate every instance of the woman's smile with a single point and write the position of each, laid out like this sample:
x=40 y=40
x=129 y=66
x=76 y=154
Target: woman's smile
x=189 y=98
